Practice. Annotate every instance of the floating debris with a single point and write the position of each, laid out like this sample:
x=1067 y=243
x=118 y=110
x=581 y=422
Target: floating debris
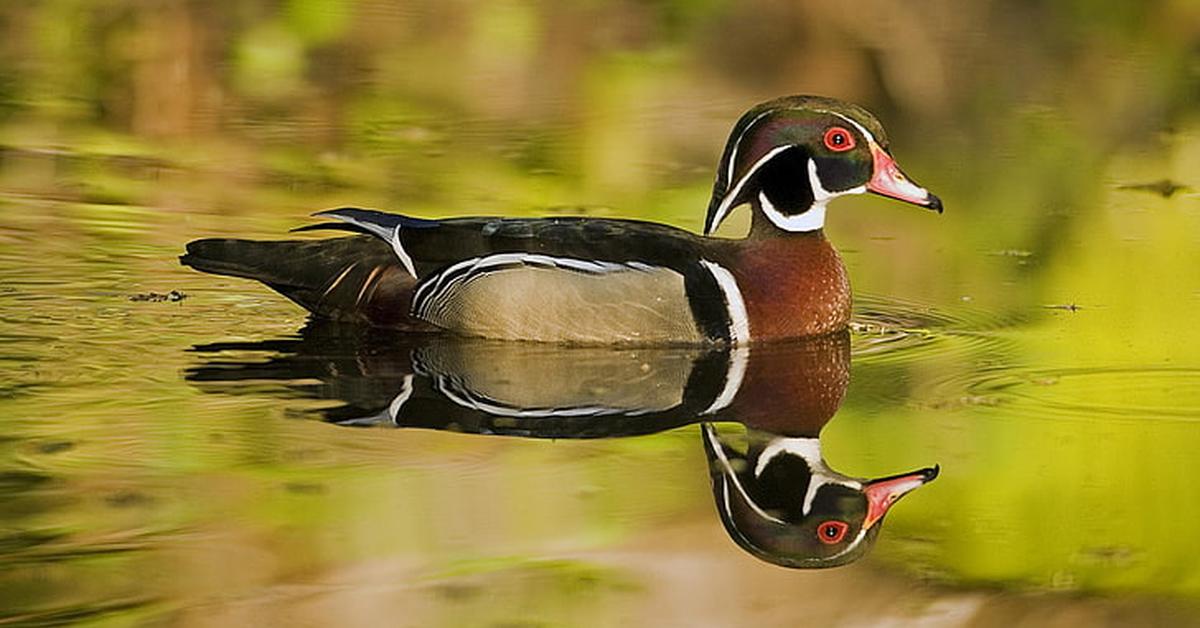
x=871 y=329
x=1115 y=555
x=127 y=498
x=964 y=401
x=305 y=488
x=1070 y=307
x=1021 y=253
x=158 y=297
x=55 y=446
x=1165 y=188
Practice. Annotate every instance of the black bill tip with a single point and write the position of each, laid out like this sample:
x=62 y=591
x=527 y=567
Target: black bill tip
x=932 y=472
x=935 y=204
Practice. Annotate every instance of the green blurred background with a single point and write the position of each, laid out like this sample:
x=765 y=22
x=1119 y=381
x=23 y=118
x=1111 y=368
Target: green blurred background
x=1044 y=349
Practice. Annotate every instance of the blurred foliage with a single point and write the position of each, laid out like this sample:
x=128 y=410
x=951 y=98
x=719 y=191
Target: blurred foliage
x=131 y=126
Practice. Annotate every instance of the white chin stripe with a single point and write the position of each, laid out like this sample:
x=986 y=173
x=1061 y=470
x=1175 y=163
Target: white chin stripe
x=808 y=449
x=810 y=220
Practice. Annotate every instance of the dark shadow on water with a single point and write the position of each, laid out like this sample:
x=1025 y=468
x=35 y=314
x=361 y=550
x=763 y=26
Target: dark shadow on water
x=775 y=494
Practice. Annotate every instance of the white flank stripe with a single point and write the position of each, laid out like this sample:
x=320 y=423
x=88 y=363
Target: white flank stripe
x=739 y=323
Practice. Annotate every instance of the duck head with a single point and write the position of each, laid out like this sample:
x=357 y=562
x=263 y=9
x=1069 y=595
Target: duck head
x=788 y=157
x=780 y=502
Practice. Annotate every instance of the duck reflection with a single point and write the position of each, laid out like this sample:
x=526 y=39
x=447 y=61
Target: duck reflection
x=782 y=503
x=776 y=496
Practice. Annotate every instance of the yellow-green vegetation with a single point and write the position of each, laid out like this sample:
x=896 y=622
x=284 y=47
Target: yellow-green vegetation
x=1044 y=350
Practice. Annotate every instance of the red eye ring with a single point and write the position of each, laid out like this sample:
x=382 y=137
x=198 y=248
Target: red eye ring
x=838 y=139
x=830 y=532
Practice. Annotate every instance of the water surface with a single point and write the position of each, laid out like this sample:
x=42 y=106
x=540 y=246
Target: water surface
x=1036 y=341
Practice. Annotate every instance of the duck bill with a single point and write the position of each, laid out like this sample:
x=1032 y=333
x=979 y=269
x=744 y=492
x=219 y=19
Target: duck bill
x=889 y=181
x=884 y=492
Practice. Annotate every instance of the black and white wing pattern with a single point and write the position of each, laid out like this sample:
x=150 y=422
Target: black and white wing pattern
x=576 y=280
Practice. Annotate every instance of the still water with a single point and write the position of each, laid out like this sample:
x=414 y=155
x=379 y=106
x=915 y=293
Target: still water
x=209 y=457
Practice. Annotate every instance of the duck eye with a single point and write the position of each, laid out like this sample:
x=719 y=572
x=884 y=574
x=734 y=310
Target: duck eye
x=831 y=532
x=838 y=139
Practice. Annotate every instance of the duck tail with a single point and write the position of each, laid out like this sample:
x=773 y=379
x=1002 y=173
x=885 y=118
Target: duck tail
x=354 y=278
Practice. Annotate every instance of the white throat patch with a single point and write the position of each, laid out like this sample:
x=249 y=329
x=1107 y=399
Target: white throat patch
x=808 y=449
x=812 y=219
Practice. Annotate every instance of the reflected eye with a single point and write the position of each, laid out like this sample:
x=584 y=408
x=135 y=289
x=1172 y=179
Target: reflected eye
x=838 y=139
x=832 y=532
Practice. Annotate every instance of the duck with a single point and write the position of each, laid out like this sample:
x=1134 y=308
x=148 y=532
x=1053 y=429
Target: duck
x=591 y=280
x=781 y=503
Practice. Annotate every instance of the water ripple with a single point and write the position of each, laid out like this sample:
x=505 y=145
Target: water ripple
x=892 y=330
x=1133 y=393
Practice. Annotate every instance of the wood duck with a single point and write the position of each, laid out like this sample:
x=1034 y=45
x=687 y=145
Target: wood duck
x=603 y=281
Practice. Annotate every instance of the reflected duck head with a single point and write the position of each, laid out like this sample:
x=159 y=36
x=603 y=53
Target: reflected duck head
x=780 y=502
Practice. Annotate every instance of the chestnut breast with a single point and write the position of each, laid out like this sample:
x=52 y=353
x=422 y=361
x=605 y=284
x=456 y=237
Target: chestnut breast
x=794 y=388
x=793 y=286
